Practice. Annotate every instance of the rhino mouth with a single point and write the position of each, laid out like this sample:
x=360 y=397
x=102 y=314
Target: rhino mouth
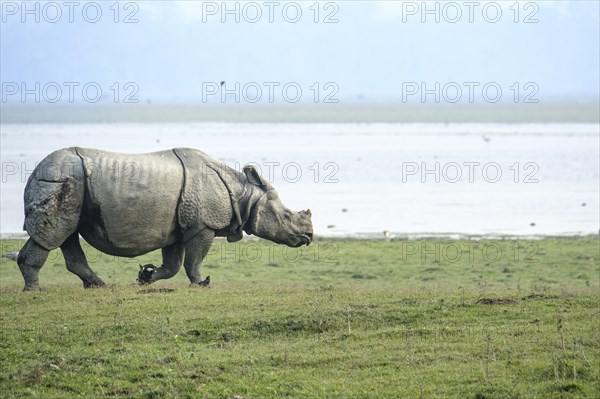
x=305 y=238
x=297 y=240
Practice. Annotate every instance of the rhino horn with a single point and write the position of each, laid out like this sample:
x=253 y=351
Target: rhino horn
x=306 y=213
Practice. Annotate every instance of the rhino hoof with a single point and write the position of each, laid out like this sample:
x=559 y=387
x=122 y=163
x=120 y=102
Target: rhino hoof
x=32 y=288
x=94 y=284
x=203 y=283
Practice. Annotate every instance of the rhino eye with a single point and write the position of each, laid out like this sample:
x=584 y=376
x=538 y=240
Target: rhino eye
x=287 y=215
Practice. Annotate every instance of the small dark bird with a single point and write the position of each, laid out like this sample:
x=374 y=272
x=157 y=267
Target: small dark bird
x=145 y=274
x=206 y=282
x=532 y=224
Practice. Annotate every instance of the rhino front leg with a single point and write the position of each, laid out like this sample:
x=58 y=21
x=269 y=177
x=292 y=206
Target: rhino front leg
x=77 y=263
x=31 y=258
x=195 y=251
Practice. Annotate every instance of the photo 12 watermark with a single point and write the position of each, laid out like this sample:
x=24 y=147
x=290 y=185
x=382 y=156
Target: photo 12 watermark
x=269 y=92
x=53 y=12
x=471 y=92
x=245 y=252
x=288 y=172
x=252 y=12
x=469 y=251
x=263 y=252
x=452 y=12
x=470 y=172
x=69 y=92
x=127 y=172
x=132 y=172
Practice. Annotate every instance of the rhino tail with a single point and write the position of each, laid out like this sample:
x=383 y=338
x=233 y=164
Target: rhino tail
x=11 y=255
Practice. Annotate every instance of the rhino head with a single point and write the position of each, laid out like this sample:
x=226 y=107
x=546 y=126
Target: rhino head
x=271 y=220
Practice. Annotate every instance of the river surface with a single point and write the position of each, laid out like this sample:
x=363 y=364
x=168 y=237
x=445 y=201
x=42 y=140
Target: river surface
x=367 y=179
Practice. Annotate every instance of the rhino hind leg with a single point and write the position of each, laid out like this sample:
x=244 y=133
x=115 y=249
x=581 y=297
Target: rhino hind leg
x=172 y=257
x=195 y=251
x=54 y=198
x=77 y=263
x=31 y=258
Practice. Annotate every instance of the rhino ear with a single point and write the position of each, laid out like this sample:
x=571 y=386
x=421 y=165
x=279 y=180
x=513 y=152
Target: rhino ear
x=255 y=178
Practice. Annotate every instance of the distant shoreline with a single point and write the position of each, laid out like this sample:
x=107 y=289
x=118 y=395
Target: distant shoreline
x=550 y=112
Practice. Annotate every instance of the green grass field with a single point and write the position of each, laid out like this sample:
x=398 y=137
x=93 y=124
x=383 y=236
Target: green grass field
x=347 y=319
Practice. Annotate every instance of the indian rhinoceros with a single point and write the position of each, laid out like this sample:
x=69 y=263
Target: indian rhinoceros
x=128 y=205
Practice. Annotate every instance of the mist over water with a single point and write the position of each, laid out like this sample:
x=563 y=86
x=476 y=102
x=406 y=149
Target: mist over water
x=498 y=179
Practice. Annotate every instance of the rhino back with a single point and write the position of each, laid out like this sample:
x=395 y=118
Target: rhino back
x=131 y=200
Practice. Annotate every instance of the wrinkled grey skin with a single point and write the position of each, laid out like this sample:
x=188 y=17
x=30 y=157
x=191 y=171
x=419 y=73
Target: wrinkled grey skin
x=128 y=205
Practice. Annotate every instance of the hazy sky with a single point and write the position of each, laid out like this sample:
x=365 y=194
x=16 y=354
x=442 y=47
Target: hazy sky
x=369 y=51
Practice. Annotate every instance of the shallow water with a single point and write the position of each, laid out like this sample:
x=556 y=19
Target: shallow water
x=413 y=179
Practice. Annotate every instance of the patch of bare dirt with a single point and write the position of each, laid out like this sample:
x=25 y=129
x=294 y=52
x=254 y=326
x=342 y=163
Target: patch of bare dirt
x=157 y=290
x=496 y=301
